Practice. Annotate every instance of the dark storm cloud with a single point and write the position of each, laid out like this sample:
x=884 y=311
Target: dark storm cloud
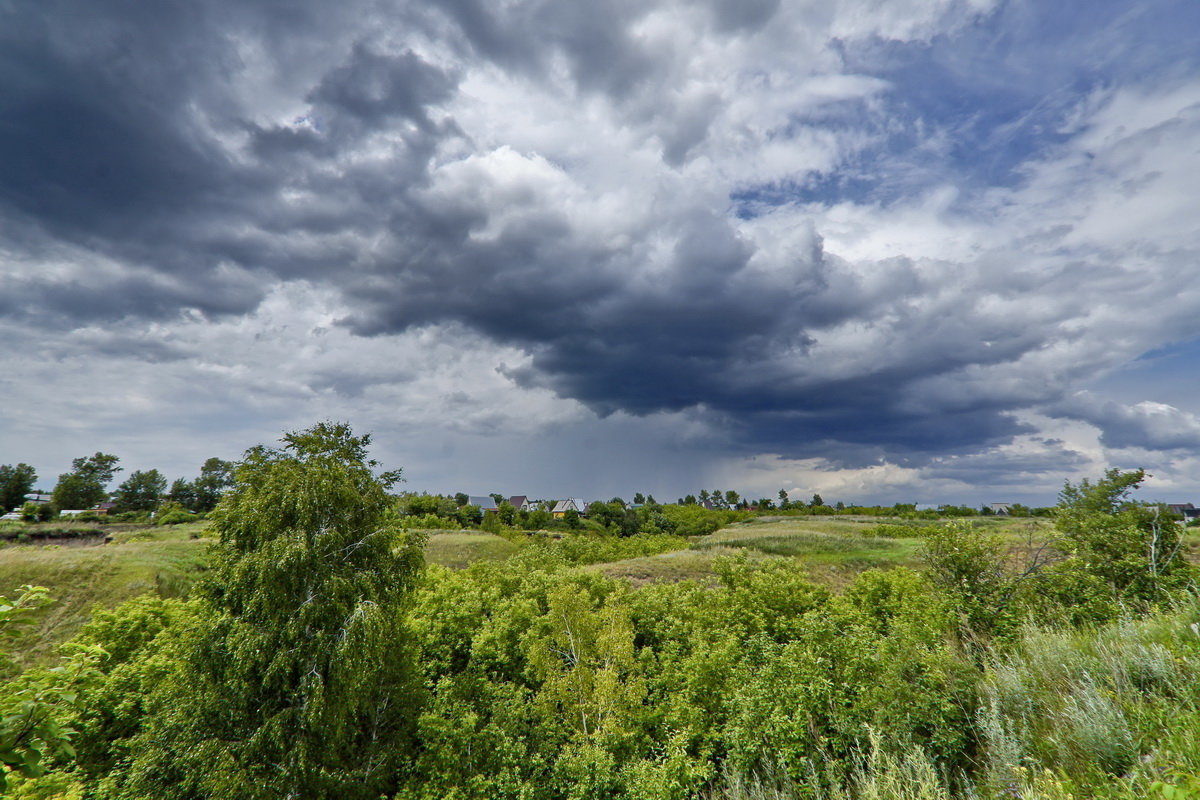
x=1149 y=426
x=211 y=150
x=708 y=329
x=1016 y=469
x=116 y=131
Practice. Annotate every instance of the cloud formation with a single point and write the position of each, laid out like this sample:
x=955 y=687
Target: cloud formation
x=858 y=232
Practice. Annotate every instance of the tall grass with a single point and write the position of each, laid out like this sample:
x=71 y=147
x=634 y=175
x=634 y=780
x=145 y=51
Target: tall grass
x=1105 y=712
x=881 y=773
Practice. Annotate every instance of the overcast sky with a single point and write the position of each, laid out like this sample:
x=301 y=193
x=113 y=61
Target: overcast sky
x=887 y=250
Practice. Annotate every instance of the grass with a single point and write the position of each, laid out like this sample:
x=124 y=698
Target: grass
x=679 y=565
x=164 y=560
x=459 y=549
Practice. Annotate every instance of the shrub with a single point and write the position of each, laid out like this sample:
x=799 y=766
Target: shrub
x=173 y=518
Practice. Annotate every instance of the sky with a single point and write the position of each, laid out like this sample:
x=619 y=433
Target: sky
x=938 y=251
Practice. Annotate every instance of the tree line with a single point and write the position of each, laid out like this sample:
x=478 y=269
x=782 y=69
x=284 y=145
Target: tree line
x=85 y=486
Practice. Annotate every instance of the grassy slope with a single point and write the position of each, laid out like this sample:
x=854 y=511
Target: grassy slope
x=457 y=549
x=163 y=560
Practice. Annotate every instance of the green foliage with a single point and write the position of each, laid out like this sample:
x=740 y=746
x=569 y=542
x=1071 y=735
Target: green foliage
x=141 y=491
x=296 y=682
x=1135 y=549
x=695 y=520
x=36 y=512
x=314 y=665
x=216 y=476
x=15 y=482
x=32 y=705
x=84 y=486
x=969 y=564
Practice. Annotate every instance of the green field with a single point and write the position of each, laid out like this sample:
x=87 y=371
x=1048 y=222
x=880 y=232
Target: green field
x=166 y=560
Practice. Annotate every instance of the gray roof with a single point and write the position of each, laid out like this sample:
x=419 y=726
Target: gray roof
x=485 y=503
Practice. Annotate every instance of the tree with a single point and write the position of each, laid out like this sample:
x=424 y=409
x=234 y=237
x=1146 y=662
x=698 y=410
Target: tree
x=607 y=514
x=783 y=500
x=15 y=483
x=732 y=498
x=1133 y=547
x=215 y=477
x=462 y=498
x=300 y=684
x=84 y=486
x=183 y=492
x=629 y=523
x=141 y=491
x=816 y=501
x=638 y=498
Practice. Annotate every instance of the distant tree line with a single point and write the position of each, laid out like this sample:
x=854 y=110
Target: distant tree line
x=85 y=487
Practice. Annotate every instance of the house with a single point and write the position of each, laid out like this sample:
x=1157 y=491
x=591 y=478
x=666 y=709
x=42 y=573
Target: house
x=39 y=497
x=1186 y=510
x=563 y=506
x=530 y=505
x=105 y=507
x=518 y=501
x=486 y=504
x=1000 y=509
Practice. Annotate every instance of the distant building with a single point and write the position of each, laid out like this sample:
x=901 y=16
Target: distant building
x=927 y=506
x=1001 y=509
x=39 y=498
x=518 y=502
x=486 y=504
x=1186 y=510
x=572 y=504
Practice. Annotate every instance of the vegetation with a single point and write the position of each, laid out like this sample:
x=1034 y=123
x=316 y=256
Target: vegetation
x=84 y=486
x=317 y=658
x=15 y=482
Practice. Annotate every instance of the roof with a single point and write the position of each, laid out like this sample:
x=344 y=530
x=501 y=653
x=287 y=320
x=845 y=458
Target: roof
x=485 y=503
x=568 y=504
x=517 y=500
